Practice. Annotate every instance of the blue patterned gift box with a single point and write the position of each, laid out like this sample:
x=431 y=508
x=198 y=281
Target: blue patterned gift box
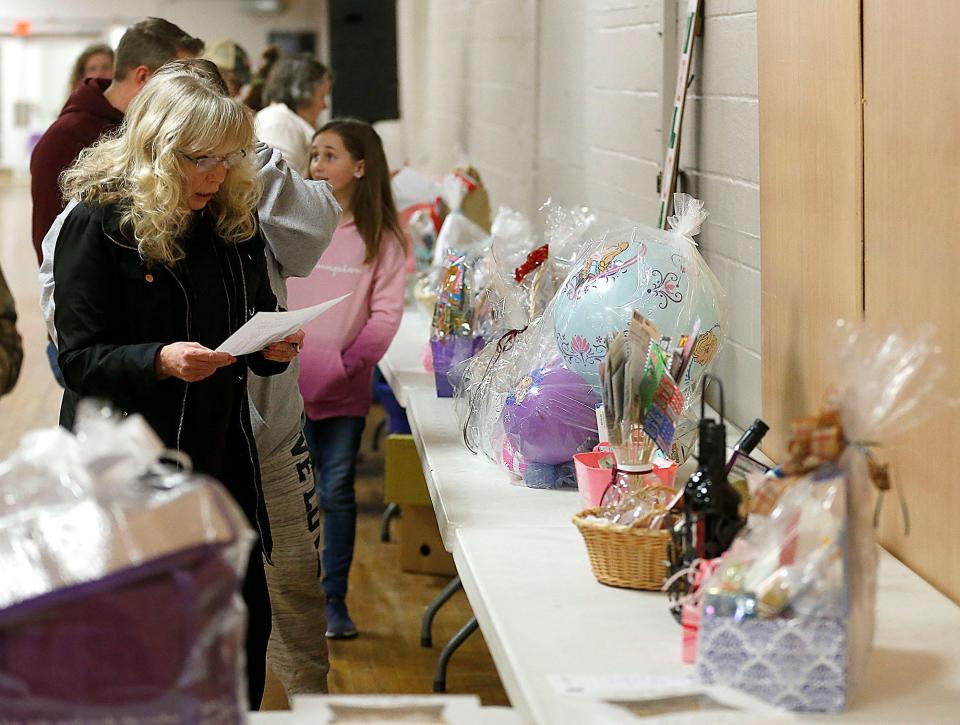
x=797 y=664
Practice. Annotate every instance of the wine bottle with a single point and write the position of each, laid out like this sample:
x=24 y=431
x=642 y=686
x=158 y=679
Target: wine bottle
x=710 y=503
x=748 y=441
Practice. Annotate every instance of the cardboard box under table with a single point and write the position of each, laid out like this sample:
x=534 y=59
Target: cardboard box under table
x=421 y=548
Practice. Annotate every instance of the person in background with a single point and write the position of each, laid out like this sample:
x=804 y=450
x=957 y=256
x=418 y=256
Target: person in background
x=233 y=63
x=11 y=346
x=296 y=93
x=254 y=95
x=96 y=61
x=95 y=108
x=159 y=262
x=297 y=219
x=365 y=258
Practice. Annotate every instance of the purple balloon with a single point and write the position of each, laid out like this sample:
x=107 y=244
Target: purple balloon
x=550 y=416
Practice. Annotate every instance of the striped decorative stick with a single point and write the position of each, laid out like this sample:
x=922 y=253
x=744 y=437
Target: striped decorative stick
x=669 y=180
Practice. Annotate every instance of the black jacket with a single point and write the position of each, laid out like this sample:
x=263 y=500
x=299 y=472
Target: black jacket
x=113 y=314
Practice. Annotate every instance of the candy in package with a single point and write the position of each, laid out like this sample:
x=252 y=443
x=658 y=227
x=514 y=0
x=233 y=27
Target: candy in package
x=120 y=600
x=454 y=336
x=788 y=615
x=453 y=313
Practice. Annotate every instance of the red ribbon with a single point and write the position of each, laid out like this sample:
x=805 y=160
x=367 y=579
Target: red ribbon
x=435 y=214
x=466 y=180
x=537 y=257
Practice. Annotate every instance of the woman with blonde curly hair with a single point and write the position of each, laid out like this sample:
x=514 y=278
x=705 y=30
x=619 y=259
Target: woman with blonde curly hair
x=159 y=262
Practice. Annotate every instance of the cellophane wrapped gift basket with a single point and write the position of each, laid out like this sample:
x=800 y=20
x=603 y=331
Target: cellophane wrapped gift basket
x=528 y=399
x=514 y=273
x=121 y=575
x=628 y=535
x=662 y=276
x=465 y=212
x=453 y=331
x=788 y=613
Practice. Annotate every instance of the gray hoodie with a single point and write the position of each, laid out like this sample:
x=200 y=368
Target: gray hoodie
x=297 y=218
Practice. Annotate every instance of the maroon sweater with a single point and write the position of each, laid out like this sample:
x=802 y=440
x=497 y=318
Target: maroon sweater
x=85 y=117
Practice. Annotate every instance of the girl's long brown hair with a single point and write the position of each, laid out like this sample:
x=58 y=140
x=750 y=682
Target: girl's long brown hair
x=373 y=209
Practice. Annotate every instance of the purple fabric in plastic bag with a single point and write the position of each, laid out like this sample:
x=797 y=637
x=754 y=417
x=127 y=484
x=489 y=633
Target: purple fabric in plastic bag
x=447 y=354
x=154 y=643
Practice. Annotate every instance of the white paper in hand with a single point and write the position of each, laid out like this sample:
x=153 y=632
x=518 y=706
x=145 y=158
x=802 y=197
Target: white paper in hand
x=265 y=328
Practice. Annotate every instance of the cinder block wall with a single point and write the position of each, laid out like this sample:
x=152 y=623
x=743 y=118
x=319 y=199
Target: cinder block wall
x=623 y=140
x=721 y=157
x=562 y=98
x=468 y=79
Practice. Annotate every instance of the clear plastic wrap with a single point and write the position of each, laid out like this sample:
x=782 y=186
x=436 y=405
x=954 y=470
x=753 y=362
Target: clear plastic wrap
x=465 y=228
x=525 y=270
x=808 y=570
x=513 y=288
x=125 y=573
x=454 y=332
x=660 y=273
x=458 y=232
x=411 y=187
x=422 y=230
x=523 y=408
x=565 y=230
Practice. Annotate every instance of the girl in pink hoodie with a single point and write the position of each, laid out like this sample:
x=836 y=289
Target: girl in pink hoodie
x=366 y=258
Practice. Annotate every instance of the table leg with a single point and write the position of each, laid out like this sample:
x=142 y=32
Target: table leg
x=389 y=513
x=426 y=624
x=440 y=676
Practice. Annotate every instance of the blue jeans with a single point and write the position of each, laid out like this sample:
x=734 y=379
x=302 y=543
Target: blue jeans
x=333 y=444
x=54 y=366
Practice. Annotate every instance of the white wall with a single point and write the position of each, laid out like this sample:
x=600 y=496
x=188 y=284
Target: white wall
x=34 y=70
x=468 y=84
x=560 y=171
x=207 y=19
x=562 y=98
x=721 y=156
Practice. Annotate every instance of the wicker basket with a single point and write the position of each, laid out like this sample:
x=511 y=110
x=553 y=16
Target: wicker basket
x=634 y=558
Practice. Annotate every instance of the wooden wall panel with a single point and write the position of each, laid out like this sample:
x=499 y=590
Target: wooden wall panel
x=810 y=196
x=912 y=256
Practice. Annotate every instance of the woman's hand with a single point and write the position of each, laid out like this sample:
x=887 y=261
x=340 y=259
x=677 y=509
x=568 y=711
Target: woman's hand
x=190 y=361
x=285 y=350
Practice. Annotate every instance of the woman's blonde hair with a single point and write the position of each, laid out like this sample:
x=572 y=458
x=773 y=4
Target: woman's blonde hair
x=141 y=167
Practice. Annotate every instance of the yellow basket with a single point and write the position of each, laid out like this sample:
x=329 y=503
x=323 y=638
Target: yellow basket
x=634 y=558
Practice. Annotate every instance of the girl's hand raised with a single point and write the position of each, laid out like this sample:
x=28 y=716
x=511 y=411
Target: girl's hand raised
x=285 y=350
x=190 y=361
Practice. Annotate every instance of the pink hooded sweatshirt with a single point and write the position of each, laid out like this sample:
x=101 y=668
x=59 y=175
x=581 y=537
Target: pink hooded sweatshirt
x=343 y=345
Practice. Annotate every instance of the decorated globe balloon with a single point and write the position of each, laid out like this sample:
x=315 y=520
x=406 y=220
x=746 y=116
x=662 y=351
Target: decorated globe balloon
x=659 y=273
x=550 y=416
